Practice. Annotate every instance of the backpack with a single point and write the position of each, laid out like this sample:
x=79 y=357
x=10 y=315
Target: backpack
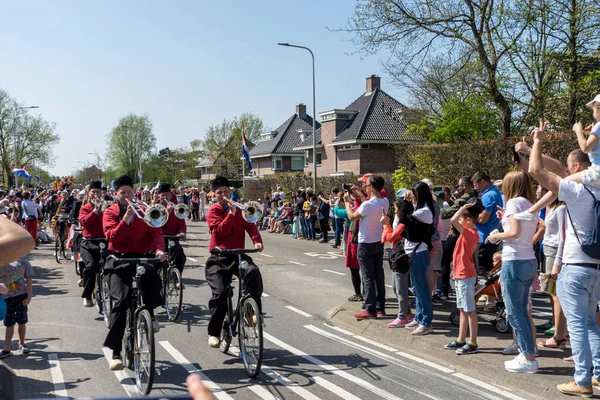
x=399 y=260
x=590 y=245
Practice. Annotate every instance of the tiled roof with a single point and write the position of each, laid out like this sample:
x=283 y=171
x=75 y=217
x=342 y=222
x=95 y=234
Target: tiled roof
x=378 y=118
x=287 y=137
x=308 y=141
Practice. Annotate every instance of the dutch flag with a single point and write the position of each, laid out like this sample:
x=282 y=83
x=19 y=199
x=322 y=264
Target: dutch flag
x=246 y=151
x=21 y=172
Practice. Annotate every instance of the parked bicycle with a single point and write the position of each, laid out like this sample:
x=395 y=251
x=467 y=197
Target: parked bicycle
x=138 y=340
x=172 y=285
x=245 y=320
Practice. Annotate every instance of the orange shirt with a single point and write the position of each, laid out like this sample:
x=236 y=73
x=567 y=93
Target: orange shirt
x=463 y=254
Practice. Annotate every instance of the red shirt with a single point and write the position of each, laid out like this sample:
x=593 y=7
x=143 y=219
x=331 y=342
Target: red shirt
x=463 y=254
x=174 y=225
x=91 y=222
x=227 y=231
x=137 y=237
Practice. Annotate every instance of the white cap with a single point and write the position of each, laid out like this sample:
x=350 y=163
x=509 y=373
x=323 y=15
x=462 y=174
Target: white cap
x=428 y=183
x=596 y=100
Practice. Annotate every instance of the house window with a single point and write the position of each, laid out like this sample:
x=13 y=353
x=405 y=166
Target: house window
x=277 y=164
x=298 y=163
x=308 y=157
x=353 y=147
x=318 y=157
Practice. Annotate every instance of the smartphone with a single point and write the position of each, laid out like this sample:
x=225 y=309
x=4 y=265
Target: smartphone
x=516 y=156
x=346 y=187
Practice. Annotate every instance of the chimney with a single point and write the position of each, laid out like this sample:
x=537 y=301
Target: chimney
x=301 y=110
x=373 y=82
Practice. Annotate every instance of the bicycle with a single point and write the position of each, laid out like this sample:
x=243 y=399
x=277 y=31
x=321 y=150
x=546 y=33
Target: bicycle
x=246 y=315
x=138 y=340
x=78 y=232
x=172 y=287
x=101 y=295
x=60 y=239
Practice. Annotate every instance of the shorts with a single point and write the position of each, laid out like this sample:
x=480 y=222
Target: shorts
x=16 y=312
x=549 y=258
x=465 y=294
x=591 y=176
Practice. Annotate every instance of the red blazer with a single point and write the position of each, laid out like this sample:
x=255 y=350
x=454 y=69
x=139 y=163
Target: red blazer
x=228 y=231
x=91 y=222
x=174 y=225
x=137 y=237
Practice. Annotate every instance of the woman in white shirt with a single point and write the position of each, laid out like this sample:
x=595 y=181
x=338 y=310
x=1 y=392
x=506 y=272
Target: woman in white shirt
x=519 y=266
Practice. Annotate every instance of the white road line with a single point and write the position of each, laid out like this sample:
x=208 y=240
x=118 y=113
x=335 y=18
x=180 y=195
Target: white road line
x=266 y=255
x=297 y=263
x=486 y=386
x=265 y=295
x=262 y=392
x=334 y=272
x=344 y=394
x=425 y=362
x=364 y=339
x=58 y=379
x=192 y=259
x=390 y=286
x=126 y=381
x=294 y=309
x=191 y=235
x=216 y=390
x=334 y=370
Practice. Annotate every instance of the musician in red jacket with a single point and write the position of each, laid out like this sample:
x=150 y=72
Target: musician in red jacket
x=90 y=219
x=129 y=237
x=228 y=231
x=174 y=226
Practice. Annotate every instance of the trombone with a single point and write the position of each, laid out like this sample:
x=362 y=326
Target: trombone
x=181 y=210
x=251 y=211
x=155 y=216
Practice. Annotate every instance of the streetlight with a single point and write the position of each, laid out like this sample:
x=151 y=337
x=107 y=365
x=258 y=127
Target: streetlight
x=15 y=112
x=314 y=144
x=98 y=166
x=84 y=170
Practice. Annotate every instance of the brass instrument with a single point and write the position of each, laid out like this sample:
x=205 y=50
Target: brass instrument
x=54 y=220
x=104 y=202
x=251 y=211
x=181 y=210
x=155 y=215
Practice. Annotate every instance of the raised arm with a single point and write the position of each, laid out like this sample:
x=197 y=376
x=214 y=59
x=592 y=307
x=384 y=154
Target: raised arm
x=586 y=145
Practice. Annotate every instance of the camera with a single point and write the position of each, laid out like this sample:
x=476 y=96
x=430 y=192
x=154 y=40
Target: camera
x=346 y=187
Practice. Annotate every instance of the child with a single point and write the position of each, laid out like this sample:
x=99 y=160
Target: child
x=17 y=299
x=591 y=146
x=465 y=277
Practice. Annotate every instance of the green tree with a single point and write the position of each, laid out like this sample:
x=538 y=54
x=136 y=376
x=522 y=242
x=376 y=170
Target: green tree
x=130 y=143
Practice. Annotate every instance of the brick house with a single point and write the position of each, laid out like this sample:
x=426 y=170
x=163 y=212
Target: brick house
x=360 y=138
x=275 y=152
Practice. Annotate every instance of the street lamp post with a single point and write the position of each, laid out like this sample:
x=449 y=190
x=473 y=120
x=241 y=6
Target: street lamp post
x=15 y=113
x=314 y=143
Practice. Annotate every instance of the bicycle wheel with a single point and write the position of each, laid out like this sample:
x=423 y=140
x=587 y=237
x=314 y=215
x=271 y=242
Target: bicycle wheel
x=144 y=352
x=225 y=335
x=106 y=300
x=173 y=294
x=128 y=341
x=251 y=337
x=57 y=248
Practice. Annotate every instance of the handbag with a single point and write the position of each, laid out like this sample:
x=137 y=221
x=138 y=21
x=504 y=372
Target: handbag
x=399 y=260
x=2 y=308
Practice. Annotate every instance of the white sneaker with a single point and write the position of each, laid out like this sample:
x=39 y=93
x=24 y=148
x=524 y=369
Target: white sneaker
x=155 y=326
x=515 y=360
x=512 y=349
x=523 y=366
x=213 y=341
x=72 y=258
x=412 y=324
x=88 y=303
x=115 y=364
x=80 y=282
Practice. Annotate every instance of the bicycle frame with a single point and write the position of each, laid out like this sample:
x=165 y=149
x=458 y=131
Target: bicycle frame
x=234 y=314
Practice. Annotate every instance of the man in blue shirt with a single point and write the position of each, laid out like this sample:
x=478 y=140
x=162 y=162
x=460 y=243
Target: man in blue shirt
x=491 y=198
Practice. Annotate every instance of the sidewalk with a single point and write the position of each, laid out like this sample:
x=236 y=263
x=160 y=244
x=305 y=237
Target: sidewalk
x=487 y=365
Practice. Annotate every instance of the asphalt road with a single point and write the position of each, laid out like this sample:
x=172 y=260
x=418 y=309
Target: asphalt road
x=305 y=357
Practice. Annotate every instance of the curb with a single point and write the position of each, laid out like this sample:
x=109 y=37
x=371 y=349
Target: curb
x=8 y=382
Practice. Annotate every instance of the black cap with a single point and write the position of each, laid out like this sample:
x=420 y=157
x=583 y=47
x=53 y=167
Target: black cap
x=123 y=180
x=95 y=185
x=218 y=182
x=164 y=188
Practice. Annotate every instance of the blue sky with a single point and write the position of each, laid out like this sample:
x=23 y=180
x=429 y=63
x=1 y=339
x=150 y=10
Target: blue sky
x=187 y=64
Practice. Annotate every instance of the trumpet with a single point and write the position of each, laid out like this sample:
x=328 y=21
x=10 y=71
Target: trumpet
x=104 y=202
x=251 y=211
x=181 y=210
x=155 y=216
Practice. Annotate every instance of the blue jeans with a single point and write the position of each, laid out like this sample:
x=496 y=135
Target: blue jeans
x=516 y=279
x=338 y=230
x=303 y=225
x=370 y=259
x=420 y=287
x=578 y=289
x=310 y=222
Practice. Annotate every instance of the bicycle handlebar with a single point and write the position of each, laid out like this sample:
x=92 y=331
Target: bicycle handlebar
x=135 y=260
x=173 y=236
x=231 y=252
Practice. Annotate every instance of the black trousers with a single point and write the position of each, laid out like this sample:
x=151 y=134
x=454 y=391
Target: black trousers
x=178 y=255
x=90 y=256
x=218 y=277
x=448 y=252
x=323 y=223
x=119 y=280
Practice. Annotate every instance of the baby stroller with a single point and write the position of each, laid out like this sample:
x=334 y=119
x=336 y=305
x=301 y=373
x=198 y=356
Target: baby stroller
x=496 y=315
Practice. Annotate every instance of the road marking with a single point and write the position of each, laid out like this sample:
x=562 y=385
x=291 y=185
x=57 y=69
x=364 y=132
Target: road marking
x=126 y=381
x=390 y=286
x=265 y=295
x=266 y=255
x=425 y=362
x=297 y=263
x=322 y=256
x=192 y=259
x=216 y=390
x=58 y=379
x=191 y=235
x=334 y=272
x=486 y=386
x=262 y=392
x=294 y=309
x=364 y=339
x=330 y=368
